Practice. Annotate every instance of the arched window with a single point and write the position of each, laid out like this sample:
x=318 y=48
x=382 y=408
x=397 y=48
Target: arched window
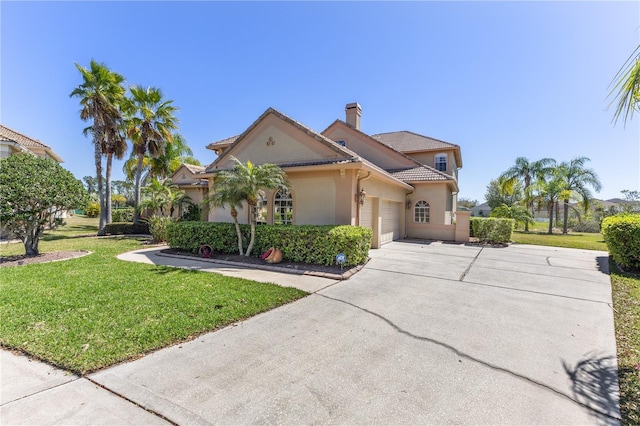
x=440 y=162
x=282 y=208
x=260 y=210
x=421 y=212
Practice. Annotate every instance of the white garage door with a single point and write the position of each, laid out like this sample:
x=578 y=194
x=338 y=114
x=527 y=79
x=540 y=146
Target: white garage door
x=391 y=212
x=366 y=214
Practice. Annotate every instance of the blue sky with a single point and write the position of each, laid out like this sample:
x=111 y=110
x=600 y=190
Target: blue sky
x=500 y=79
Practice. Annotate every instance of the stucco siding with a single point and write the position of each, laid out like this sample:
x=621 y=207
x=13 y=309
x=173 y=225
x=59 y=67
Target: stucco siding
x=273 y=141
x=314 y=199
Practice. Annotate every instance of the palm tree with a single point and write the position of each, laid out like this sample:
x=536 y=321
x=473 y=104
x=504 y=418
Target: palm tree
x=248 y=179
x=101 y=95
x=577 y=179
x=627 y=85
x=550 y=188
x=226 y=195
x=150 y=124
x=175 y=154
x=159 y=195
x=528 y=172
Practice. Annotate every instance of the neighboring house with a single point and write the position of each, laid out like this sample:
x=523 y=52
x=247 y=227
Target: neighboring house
x=481 y=210
x=188 y=179
x=12 y=142
x=399 y=184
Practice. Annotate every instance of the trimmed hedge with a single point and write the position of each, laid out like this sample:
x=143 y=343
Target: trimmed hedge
x=120 y=228
x=315 y=244
x=492 y=230
x=622 y=235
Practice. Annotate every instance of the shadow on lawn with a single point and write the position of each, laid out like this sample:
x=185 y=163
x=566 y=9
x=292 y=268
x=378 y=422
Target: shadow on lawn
x=166 y=270
x=595 y=385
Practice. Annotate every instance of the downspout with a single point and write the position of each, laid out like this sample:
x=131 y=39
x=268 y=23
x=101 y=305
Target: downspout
x=406 y=214
x=358 y=194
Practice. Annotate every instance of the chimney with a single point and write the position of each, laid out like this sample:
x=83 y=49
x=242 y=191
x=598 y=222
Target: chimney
x=353 y=112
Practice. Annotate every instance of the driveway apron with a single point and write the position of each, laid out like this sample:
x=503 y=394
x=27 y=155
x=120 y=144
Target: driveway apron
x=425 y=333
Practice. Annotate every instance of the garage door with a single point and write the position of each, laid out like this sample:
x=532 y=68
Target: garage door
x=366 y=214
x=391 y=212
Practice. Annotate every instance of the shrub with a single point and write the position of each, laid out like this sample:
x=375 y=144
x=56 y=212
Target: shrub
x=590 y=226
x=158 y=227
x=93 y=209
x=120 y=228
x=193 y=213
x=622 y=235
x=492 y=230
x=314 y=244
x=122 y=215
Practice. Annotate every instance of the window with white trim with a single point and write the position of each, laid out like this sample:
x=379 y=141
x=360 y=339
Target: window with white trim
x=440 y=162
x=421 y=212
x=282 y=208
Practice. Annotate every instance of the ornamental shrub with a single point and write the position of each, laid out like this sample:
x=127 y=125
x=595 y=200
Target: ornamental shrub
x=120 y=228
x=492 y=230
x=122 y=215
x=622 y=235
x=93 y=209
x=158 y=227
x=315 y=244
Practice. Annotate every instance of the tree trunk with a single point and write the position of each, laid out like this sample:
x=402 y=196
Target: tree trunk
x=136 y=199
x=31 y=241
x=234 y=215
x=550 y=207
x=98 y=161
x=566 y=216
x=107 y=191
x=252 y=219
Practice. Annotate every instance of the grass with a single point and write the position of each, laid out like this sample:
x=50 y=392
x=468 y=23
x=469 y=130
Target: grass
x=87 y=313
x=626 y=302
x=578 y=240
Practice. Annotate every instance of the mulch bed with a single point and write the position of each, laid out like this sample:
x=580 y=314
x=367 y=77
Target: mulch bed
x=251 y=260
x=23 y=259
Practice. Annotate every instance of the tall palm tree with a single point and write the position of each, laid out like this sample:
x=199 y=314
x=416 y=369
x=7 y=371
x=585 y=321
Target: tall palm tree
x=577 y=179
x=225 y=195
x=101 y=95
x=248 y=179
x=626 y=85
x=175 y=154
x=550 y=188
x=528 y=172
x=150 y=123
x=164 y=165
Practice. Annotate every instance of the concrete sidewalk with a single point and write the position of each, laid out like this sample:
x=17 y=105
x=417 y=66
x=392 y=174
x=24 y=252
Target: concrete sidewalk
x=426 y=333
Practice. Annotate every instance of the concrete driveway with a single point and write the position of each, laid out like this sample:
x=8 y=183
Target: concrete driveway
x=426 y=333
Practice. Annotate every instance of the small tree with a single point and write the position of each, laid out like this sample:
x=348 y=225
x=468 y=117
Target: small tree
x=33 y=190
x=520 y=214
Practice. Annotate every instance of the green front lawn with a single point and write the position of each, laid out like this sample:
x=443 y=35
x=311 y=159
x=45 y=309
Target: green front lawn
x=626 y=304
x=578 y=240
x=87 y=313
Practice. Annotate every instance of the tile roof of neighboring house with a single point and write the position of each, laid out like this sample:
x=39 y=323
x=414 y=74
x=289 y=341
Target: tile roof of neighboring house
x=405 y=141
x=9 y=135
x=193 y=168
x=419 y=174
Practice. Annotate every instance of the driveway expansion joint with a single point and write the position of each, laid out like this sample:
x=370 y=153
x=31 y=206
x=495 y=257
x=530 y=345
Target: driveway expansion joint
x=471 y=358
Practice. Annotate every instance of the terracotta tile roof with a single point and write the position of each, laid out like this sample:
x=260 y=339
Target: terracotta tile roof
x=419 y=174
x=193 y=168
x=9 y=135
x=223 y=142
x=405 y=141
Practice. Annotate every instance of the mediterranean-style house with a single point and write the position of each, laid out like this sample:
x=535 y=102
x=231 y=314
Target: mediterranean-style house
x=12 y=142
x=399 y=184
